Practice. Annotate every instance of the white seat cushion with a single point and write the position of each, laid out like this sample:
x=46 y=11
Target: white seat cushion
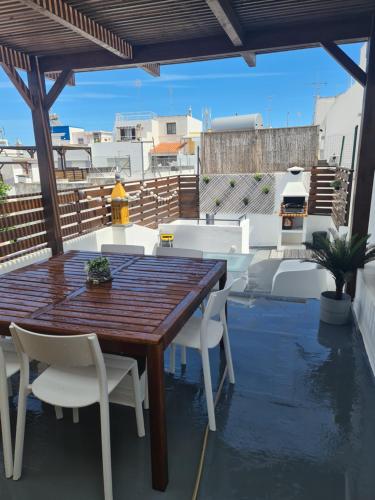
x=72 y=387
x=189 y=335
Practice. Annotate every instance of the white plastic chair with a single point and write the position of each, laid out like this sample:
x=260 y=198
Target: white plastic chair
x=9 y=365
x=78 y=375
x=178 y=252
x=204 y=333
x=132 y=249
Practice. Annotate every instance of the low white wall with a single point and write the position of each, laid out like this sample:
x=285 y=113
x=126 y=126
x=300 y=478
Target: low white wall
x=131 y=235
x=216 y=238
x=364 y=309
x=264 y=230
x=25 y=260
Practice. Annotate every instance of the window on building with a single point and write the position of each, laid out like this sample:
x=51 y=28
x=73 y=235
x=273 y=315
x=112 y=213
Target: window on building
x=81 y=140
x=127 y=134
x=171 y=128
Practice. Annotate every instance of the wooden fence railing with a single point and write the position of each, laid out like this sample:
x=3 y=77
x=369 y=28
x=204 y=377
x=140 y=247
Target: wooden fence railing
x=72 y=174
x=321 y=192
x=22 y=223
x=342 y=196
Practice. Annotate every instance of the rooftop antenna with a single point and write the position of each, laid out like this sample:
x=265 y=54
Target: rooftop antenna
x=2 y=133
x=287 y=118
x=206 y=118
x=317 y=85
x=138 y=86
x=269 y=109
x=170 y=94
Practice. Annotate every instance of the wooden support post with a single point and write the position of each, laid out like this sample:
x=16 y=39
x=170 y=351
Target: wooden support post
x=366 y=151
x=45 y=157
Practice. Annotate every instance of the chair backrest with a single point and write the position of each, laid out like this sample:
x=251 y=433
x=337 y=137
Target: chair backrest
x=133 y=249
x=217 y=300
x=72 y=350
x=178 y=252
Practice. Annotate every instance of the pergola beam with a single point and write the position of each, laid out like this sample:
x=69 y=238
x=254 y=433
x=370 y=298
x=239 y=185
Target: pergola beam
x=262 y=41
x=69 y=17
x=53 y=75
x=346 y=62
x=17 y=81
x=152 y=69
x=16 y=58
x=57 y=87
x=227 y=18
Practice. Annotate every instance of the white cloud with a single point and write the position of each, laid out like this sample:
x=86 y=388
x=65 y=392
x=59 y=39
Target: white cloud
x=178 y=78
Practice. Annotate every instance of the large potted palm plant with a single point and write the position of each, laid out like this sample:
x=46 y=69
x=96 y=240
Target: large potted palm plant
x=341 y=257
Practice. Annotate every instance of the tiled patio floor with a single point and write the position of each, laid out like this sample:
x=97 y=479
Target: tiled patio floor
x=298 y=424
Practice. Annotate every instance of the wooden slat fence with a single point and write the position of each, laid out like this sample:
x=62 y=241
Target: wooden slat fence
x=321 y=192
x=341 y=201
x=22 y=223
x=72 y=174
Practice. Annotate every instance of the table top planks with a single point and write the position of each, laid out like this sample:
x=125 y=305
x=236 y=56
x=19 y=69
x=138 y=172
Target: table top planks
x=147 y=302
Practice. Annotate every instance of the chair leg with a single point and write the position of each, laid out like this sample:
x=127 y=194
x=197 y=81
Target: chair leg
x=20 y=433
x=59 y=412
x=146 y=403
x=106 y=450
x=228 y=354
x=208 y=390
x=10 y=388
x=138 y=402
x=183 y=355
x=172 y=359
x=75 y=415
x=5 y=428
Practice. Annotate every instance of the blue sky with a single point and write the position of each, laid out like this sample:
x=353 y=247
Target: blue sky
x=280 y=87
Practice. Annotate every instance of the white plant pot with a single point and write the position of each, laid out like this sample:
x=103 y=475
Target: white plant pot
x=333 y=311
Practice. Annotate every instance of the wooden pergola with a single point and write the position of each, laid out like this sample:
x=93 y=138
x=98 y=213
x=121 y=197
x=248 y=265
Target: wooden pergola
x=57 y=38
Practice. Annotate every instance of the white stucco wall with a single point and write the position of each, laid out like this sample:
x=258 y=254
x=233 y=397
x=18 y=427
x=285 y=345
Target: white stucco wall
x=102 y=151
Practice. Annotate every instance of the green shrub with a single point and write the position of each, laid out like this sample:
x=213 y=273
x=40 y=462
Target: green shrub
x=265 y=189
x=258 y=177
x=217 y=202
x=246 y=200
x=205 y=179
x=232 y=183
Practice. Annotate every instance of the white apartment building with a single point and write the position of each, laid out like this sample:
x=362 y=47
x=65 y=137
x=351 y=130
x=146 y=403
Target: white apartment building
x=339 y=119
x=170 y=140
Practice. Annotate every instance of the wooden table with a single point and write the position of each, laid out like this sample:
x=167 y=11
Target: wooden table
x=138 y=313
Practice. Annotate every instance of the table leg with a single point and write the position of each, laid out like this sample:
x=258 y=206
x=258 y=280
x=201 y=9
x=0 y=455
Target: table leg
x=158 y=429
x=222 y=282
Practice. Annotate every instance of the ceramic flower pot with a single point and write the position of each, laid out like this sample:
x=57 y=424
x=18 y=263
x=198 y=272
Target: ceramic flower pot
x=99 y=277
x=333 y=311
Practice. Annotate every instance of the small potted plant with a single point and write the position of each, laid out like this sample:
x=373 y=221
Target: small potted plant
x=340 y=257
x=205 y=179
x=245 y=201
x=336 y=184
x=265 y=189
x=217 y=202
x=232 y=183
x=258 y=177
x=98 y=270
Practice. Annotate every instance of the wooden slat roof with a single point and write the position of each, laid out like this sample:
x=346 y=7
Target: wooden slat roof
x=188 y=27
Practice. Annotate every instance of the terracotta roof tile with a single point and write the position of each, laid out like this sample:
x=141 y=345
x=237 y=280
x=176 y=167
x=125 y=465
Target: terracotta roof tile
x=167 y=147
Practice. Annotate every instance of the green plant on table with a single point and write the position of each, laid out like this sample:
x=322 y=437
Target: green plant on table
x=265 y=189
x=205 y=179
x=98 y=270
x=258 y=177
